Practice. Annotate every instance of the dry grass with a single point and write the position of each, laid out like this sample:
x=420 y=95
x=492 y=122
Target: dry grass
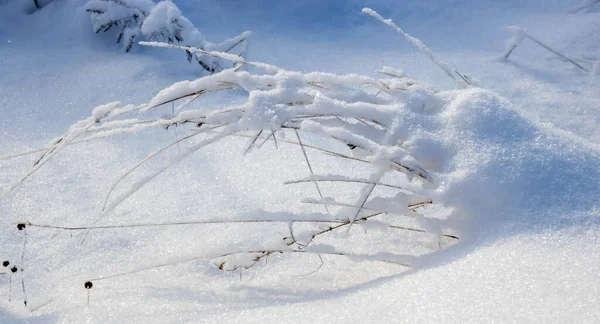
x=355 y=113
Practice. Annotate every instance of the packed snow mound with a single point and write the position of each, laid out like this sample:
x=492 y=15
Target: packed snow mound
x=506 y=168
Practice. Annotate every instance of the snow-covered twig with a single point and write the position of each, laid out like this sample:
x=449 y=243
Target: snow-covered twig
x=521 y=34
x=420 y=46
x=223 y=55
x=55 y=146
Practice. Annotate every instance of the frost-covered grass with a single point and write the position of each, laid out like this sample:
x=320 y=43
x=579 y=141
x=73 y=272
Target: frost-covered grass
x=521 y=191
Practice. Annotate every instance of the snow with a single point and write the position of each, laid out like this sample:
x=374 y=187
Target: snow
x=511 y=167
x=166 y=20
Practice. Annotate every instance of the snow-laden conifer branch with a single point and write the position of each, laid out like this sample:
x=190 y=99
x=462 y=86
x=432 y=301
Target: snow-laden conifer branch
x=161 y=22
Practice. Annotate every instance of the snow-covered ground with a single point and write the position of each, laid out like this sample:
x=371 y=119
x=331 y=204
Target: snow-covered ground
x=527 y=167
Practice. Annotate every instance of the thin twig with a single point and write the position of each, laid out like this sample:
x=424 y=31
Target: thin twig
x=234 y=45
x=265 y=253
x=183 y=223
x=364 y=181
x=421 y=231
x=340 y=225
x=364 y=201
x=310 y=167
x=414 y=41
x=555 y=52
x=314 y=271
x=149 y=157
x=22 y=263
x=41 y=305
x=253 y=141
x=208 y=222
x=175 y=128
x=175 y=161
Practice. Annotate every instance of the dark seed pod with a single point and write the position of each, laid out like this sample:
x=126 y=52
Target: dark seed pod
x=88 y=285
x=21 y=226
x=13 y=269
x=5 y=264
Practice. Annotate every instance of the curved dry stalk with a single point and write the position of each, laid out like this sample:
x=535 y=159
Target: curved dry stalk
x=260 y=254
x=364 y=200
x=398 y=168
x=417 y=171
x=241 y=221
x=263 y=253
x=332 y=202
x=101 y=132
x=413 y=207
x=348 y=180
x=148 y=158
x=314 y=271
x=314 y=116
x=253 y=141
x=226 y=56
x=333 y=228
x=16 y=155
x=47 y=156
x=271 y=134
x=197 y=94
x=309 y=166
x=99 y=114
x=183 y=223
x=161 y=170
x=422 y=231
x=112 y=188
x=125 y=123
x=414 y=41
x=241 y=40
x=374 y=131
